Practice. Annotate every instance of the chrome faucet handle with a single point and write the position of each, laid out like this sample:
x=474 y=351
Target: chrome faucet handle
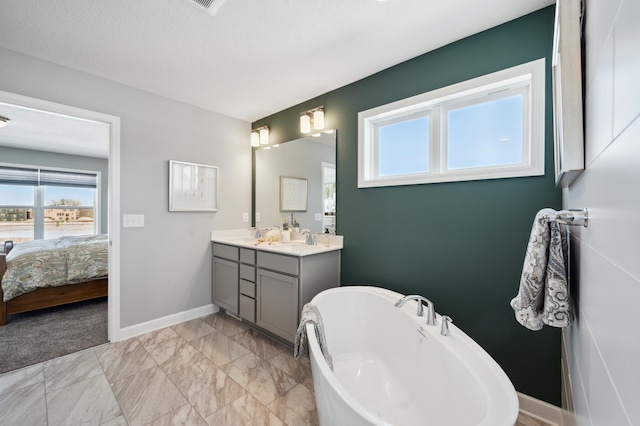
x=445 y=325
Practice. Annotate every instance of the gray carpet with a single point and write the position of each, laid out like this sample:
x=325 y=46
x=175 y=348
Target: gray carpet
x=45 y=334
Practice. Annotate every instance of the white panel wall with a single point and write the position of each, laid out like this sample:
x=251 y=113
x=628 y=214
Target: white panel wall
x=603 y=347
x=165 y=266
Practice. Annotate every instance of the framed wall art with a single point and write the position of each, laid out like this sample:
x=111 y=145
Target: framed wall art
x=192 y=187
x=293 y=194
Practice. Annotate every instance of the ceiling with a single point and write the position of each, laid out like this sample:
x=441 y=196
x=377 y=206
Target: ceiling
x=251 y=58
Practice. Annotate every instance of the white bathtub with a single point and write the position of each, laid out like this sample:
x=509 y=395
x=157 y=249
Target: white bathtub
x=390 y=368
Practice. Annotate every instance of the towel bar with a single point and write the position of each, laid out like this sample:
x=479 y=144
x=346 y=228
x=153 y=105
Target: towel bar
x=571 y=217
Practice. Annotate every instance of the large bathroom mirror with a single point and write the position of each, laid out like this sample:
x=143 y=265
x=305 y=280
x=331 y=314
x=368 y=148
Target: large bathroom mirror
x=312 y=158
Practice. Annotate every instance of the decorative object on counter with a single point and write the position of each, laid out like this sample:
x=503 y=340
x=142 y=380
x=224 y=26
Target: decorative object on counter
x=270 y=237
x=543 y=296
x=286 y=236
x=192 y=187
x=293 y=194
x=296 y=225
x=311 y=315
x=285 y=225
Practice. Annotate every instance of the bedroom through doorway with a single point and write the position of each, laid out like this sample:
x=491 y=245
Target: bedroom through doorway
x=59 y=186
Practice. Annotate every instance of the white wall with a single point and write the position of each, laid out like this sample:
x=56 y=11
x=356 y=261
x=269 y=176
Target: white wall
x=165 y=266
x=603 y=347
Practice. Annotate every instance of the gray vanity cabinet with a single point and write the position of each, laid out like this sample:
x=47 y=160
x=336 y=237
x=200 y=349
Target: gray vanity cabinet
x=248 y=284
x=225 y=275
x=277 y=309
x=268 y=290
x=284 y=284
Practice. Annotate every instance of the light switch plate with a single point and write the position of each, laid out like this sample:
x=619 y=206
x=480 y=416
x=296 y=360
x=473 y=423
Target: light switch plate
x=133 y=221
x=318 y=217
x=245 y=217
x=257 y=216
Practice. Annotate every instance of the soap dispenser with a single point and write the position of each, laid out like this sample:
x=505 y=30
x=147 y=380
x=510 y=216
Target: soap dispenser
x=296 y=225
x=286 y=233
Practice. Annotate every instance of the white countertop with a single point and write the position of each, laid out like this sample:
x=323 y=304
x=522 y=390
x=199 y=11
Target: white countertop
x=296 y=247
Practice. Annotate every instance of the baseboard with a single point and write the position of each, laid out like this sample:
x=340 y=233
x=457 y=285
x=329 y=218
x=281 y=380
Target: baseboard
x=540 y=410
x=157 y=324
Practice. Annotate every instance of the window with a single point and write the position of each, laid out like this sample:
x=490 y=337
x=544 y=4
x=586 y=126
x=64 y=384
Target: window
x=485 y=128
x=38 y=203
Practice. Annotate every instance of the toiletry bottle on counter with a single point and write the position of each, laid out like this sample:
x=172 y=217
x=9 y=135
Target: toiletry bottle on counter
x=296 y=225
x=286 y=236
x=285 y=225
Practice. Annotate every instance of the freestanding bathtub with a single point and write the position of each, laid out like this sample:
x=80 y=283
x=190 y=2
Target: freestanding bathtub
x=390 y=368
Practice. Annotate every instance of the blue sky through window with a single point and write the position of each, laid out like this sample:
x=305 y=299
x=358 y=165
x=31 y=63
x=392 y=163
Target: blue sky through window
x=486 y=134
x=404 y=147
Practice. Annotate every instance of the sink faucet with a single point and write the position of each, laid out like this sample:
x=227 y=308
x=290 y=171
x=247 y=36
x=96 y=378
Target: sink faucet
x=310 y=240
x=431 y=312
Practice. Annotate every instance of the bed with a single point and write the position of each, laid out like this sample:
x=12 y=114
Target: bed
x=45 y=273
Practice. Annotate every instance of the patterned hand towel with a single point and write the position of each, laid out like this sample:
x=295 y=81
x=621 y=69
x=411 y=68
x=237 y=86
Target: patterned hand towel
x=311 y=315
x=543 y=297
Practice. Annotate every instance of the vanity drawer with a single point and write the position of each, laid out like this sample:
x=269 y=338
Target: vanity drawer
x=247 y=308
x=248 y=272
x=247 y=288
x=277 y=262
x=248 y=256
x=226 y=252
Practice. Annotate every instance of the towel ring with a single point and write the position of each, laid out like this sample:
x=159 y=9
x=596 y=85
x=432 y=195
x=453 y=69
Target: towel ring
x=571 y=217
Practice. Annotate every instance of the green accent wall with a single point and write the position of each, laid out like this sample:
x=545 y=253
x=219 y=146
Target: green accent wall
x=459 y=244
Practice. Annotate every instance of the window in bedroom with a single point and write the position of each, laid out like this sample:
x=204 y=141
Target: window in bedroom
x=485 y=128
x=45 y=203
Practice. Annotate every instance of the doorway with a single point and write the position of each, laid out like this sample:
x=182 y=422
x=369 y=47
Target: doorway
x=112 y=134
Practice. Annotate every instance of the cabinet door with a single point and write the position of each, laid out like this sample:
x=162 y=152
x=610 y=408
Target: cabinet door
x=277 y=303
x=225 y=278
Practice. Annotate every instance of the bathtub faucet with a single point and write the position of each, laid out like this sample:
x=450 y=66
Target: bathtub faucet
x=431 y=311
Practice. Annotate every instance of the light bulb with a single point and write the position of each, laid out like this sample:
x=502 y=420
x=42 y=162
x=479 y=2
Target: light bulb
x=305 y=123
x=264 y=136
x=318 y=119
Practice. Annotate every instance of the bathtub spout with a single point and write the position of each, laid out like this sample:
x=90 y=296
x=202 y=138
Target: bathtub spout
x=431 y=311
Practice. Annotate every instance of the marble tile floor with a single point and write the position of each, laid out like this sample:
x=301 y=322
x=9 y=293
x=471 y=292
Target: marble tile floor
x=209 y=371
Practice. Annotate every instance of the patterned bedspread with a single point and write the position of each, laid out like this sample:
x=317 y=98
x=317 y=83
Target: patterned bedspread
x=50 y=263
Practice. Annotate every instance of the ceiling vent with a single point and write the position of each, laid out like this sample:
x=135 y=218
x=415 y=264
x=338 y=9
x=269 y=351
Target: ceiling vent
x=209 y=6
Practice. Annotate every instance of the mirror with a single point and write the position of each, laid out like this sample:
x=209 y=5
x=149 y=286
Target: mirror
x=310 y=158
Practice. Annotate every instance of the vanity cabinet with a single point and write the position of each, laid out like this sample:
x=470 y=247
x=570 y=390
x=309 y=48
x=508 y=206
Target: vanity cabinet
x=268 y=290
x=225 y=275
x=247 y=289
x=284 y=284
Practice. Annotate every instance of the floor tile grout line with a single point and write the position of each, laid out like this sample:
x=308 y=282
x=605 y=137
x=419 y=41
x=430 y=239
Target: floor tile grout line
x=111 y=388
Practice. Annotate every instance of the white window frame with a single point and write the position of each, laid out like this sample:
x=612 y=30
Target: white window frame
x=527 y=79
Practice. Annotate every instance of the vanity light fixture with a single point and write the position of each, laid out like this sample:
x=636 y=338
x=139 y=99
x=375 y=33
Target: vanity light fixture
x=260 y=136
x=305 y=123
x=315 y=115
x=318 y=119
x=255 y=139
x=4 y=121
x=264 y=135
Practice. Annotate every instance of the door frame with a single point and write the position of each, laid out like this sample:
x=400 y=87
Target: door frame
x=113 y=217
